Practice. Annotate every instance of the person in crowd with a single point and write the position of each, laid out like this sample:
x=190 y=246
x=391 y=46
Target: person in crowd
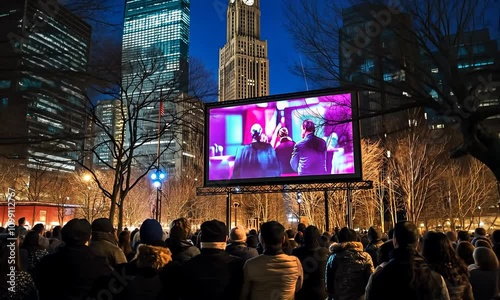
x=442 y=258
x=105 y=244
x=147 y=283
x=407 y=275
x=35 y=252
x=43 y=241
x=385 y=252
x=237 y=244
x=74 y=267
x=150 y=233
x=374 y=242
x=313 y=258
x=463 y=236
x=290 y=235
x=480 y=235
x=299 y=238
x=15 y=284
x=325 y=240
x=484 y=276
x=452 y=236
x=253 y=232
x=252 y=242
x=483 y=243
x=214 y=273
x=257 y=159
x=385 y=237
x=348 y=268
x=465 y=251
x=132 y=234
x=309 y=155
x=182 y=248
x=274 y=274
x=124 y=244
x=55 y=241
x=284 y=152
x=21 y=226
x=495 y=239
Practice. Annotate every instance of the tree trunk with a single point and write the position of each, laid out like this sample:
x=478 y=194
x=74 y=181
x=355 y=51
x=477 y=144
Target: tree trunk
x=112 y=210
x=120 y=217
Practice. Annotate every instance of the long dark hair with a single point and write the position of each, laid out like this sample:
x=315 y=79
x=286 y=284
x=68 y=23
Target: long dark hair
x=312 y=237
x=441 y=257
x=30 y=242
x=124 y=242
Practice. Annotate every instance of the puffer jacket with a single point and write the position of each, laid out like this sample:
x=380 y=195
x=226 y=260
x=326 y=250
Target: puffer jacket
x=373 y=249
x=105 y=245
x=347 y=271
x=277 y=276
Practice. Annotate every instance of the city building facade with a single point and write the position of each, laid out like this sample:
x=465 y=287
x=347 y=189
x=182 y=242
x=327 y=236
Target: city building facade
x=109 y=134
x=42 y=100
x=155 y=74
x=243 y=61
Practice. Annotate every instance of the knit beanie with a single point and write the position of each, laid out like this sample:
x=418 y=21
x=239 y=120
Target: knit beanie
x=151 y=231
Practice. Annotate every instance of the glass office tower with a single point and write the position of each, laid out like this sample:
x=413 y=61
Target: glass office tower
x=155 y=47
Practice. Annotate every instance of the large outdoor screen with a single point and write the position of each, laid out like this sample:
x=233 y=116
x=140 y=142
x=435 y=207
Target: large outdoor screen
x=296 y=138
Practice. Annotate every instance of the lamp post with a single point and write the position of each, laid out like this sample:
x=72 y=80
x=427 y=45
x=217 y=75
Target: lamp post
x=236 y=205
x=299 y=201
x=479 y=220
x=157 y=177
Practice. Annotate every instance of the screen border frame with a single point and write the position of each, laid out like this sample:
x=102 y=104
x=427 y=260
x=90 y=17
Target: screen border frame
x=328 y=178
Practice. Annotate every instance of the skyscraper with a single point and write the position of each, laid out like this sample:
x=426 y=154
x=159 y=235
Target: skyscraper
x=243 y=63
x=42 y=103
x=109 y=132
x=154 y=70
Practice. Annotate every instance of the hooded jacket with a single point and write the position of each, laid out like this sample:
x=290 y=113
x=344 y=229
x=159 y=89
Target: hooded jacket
x=104 y=244
x=182 y=250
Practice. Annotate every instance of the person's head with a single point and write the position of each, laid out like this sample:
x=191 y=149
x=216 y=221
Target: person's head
x=385 y=251
x=463 y=236
x=290 y=234
x=177 y=233
x=485 y=259
x=479 y=232
x=307 y=128
x=31 y=241
x=56 y=232
x=483 y=243
x=184 y=224
x=464 y=252
x=256 y=132
x=299 y=237
x=253 y=232
x=213 y=231
x=374 y=234
x=252 y=241
x=495 y=237
x=151 y=232
x=39 y=228
x=21 y=221
x=272 y=235
x=237 y=235
x=124 y=237
x=76 y=232
x=153 y=257
x=283 y=132
x=102 y=225
x=346 y=235
x=312 y=237
x=301 y=227
x=405 y=235
x=437 y=248
x=452 y=236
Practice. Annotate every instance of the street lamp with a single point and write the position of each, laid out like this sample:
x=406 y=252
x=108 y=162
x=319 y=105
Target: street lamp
x=299 y=201
x=479 y=220
x=157 y=178
x=236 y=205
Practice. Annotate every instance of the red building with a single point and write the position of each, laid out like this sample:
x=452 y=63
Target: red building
x=49 y=214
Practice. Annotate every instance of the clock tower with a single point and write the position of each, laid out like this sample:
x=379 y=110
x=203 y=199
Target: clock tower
x=243 y=61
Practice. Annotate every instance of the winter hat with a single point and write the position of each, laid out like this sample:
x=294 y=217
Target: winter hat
x=151 y=231
x=213 y=231
x=374 y=234
x=76 y=232
x=102 y=225
x=237 y=235
x=252 y=241
x=346 y=235
x=154 y=257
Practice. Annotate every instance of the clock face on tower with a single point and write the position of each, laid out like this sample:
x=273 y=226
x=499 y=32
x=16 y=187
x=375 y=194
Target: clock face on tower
x=248 y=2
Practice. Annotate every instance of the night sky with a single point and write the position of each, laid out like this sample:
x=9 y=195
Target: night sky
x=208 y=35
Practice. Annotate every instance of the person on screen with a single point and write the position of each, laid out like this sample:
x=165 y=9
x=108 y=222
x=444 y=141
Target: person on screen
x=309 y=155
x=257 y=159
x=284 y=151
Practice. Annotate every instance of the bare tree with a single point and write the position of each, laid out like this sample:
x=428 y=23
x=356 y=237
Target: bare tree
x=420 y=43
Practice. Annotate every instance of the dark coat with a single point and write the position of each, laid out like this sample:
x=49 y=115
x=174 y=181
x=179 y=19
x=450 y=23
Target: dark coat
x=373 y=248
x=393 y=281
x=74 y=269
x=182 y=250
x=105 y=245
x=314 y=266
x=284 y=154
x=256 y=160
x=309 y=156
x=347 y=271
x=241 y=250
x=215 y=275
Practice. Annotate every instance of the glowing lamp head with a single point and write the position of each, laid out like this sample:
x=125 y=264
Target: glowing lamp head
x=161 y=176
x=153 y=176
x=156 y=184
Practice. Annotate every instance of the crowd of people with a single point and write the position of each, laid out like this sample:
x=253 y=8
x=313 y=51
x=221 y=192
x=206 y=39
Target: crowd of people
x=91 y=261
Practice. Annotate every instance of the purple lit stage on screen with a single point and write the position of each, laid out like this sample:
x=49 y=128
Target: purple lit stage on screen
x=297 y=137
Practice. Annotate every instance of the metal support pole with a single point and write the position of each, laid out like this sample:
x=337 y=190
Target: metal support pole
x=349 y=208
x=159 y=204
x=157 y=210
x=327 y=212
x=228 y=211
